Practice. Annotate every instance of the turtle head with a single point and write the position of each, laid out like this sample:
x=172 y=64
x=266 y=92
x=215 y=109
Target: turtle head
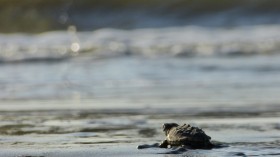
x=167 y=126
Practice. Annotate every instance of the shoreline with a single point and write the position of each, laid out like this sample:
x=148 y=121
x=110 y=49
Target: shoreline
x=137 y=106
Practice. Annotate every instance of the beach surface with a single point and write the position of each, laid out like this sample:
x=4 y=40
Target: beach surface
x=118 y=132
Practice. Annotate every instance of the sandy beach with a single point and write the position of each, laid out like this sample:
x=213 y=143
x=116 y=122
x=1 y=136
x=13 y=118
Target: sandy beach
x=118 y=132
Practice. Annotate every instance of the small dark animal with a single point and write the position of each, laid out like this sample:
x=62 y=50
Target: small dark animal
x=185 y=136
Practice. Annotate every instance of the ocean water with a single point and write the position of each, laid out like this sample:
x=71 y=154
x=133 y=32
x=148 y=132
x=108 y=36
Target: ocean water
x=41 y=15
x=92 y=78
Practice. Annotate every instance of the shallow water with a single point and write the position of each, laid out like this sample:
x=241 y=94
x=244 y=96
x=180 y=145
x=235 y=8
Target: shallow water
x=145 y=81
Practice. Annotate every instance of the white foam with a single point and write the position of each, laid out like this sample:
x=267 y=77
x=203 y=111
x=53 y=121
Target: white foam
x=172 y=41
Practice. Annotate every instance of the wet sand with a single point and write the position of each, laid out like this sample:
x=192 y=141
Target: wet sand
x=118 y=132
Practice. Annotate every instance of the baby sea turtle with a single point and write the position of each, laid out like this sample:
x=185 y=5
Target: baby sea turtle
x=185 y=136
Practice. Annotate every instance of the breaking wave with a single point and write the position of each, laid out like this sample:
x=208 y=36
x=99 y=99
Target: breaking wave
x=155 y=42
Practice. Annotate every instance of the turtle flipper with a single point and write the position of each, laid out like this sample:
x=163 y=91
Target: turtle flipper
x=164 y=144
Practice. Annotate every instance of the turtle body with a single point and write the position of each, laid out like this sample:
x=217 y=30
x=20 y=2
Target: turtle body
x=185 y=136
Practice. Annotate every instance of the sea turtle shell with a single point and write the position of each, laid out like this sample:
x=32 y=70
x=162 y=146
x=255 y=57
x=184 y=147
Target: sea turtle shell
x=185 y=135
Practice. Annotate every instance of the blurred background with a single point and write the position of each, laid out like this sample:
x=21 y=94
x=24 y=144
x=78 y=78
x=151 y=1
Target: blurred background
x=218 y=54
x=40 y=16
